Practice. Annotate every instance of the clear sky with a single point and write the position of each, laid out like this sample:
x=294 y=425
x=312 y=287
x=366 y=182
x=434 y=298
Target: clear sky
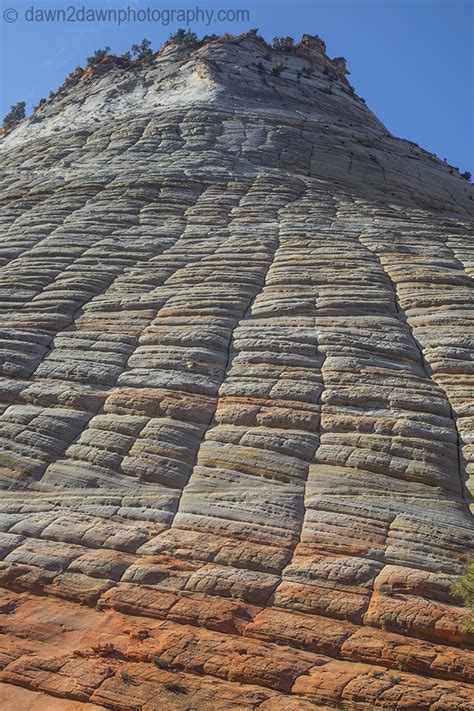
x=412 y=60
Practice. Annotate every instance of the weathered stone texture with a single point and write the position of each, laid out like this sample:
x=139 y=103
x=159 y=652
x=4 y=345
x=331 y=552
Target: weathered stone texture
x=236 y=396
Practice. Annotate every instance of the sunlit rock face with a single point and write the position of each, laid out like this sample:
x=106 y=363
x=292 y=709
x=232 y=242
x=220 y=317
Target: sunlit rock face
x=237 y=395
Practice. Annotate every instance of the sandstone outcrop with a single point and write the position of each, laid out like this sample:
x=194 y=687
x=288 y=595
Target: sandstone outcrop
x=237 y=395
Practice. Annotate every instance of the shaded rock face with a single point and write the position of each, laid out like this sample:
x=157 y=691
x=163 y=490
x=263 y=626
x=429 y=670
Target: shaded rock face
x=236 y=396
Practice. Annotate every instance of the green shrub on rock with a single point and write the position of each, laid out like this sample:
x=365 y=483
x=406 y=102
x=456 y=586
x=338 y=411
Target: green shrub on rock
x=463 y=588
x=283 y=44
x=142 y=53
x=98 y=56
x=14 y=116
x=185 y=38
x=278 y=68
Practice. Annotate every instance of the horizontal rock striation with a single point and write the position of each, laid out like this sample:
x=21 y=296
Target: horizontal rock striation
x=236 y=395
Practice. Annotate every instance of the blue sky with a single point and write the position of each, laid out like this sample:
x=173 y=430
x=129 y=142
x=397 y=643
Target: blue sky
x=412 y=60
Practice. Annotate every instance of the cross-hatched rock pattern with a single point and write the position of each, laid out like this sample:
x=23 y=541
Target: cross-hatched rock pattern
x=237 y=395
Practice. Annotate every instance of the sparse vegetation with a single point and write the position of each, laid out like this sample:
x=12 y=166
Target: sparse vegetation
x=74 y=77
x=466 y=175
x=175 y=687
x=394 y=679
x=185 y=38
x=142 y=53
x=98 y=56
x=386 y=589
x=401 y=663
x=171 y=549
x=125 y=676
x=14 y=116
x=277 y=68
x=403 y=660
x=463 y=588
x=283 y=44
x=161 y=664
x=254 y=32
x=209 y=38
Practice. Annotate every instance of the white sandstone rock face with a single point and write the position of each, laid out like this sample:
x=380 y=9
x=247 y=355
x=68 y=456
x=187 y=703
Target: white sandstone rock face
x=237 y=394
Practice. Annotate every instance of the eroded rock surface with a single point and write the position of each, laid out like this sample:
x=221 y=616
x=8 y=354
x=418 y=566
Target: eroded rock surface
x=236 y=395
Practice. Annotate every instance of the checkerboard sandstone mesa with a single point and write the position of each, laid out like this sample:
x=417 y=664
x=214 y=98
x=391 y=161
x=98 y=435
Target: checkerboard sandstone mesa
x=237 y=394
